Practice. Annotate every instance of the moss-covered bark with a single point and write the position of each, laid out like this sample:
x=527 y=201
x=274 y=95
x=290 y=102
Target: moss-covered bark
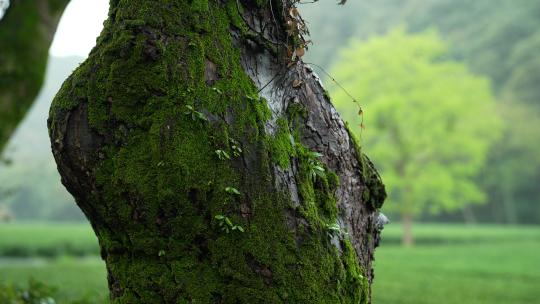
x=26 y=33
x=198 y=189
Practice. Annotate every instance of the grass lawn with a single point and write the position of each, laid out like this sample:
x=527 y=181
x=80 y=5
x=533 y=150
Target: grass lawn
x=450 y=264
x=500 y=272
x=27 y=239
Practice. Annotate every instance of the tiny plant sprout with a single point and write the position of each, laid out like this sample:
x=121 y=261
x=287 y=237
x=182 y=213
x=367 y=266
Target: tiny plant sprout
x=227 y=225
x=334 y=230
x=239 y=228
x=223 y=155
x=217 y=90
x=252 y=98
x=314 y=166
x=235 y=147
x=232 y=190
x=195 y=115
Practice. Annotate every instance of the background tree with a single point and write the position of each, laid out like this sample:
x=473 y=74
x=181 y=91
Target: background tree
x=430 y=122
x=210 y=162
x=513 y=179
x=27 y=30
x=505 y=52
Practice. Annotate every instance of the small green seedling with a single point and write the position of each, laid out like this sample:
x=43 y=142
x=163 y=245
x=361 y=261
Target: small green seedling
x=235 y=146
x=335 y=230
x=253 y=97
x=223 y=155
x=314 y=166
x=232 y=190
x=227 y=225
x=195 y=115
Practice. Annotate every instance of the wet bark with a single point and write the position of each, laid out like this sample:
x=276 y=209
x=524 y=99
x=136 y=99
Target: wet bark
x=26 y=33
x=193 y=141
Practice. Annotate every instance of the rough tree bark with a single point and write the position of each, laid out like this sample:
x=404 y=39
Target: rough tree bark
x=26 y=33
x=190 y=140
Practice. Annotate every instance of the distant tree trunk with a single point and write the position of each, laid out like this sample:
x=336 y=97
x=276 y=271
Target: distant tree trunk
x=509 y=203
x=189 y=140
x=468 y=215
x=26 y=33
x=408 y=239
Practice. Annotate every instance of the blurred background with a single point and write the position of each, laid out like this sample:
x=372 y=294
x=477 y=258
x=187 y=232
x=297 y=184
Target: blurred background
x=444 y=98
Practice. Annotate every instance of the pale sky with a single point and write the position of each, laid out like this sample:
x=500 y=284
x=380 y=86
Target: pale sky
x=80 y=25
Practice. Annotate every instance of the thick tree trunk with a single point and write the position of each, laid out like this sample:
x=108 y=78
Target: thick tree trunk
x=26 y=33
x=188 y=139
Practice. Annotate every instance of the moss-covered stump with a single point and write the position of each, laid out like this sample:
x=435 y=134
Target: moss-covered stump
x=204 y=181
x=26 y=33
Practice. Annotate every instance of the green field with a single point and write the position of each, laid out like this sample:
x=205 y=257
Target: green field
x=449 y=264
x=460 y=264
x=24 y=239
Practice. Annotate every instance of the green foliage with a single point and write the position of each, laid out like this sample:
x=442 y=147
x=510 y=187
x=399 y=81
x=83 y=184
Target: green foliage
x=422 y=119
x=314 y=166
x=226 y=224
x=335 y=230
x=496 y=38
x=69 y=281
x=512 y=180
x=232 y=190
x=190 y=110
x=223 y=155
x=235 y=147
x=36 y=293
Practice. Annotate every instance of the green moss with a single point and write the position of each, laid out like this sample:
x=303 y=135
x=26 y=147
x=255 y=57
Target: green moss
x=161 y=184
x=374 y=192
x=319 y=207
x=282 y=144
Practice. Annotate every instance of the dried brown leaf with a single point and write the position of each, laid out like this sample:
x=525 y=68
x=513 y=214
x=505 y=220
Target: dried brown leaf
x=297 y=83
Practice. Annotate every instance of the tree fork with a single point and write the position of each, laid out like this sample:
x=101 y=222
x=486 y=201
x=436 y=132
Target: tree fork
x=211 y=169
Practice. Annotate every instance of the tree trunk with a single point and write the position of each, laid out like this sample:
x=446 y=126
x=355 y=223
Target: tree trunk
x=26 y=33
x=188 y=138
x=509 y=203
x=408 y=239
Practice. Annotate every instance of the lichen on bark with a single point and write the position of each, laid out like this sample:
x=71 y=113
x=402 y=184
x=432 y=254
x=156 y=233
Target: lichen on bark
x=163 y=119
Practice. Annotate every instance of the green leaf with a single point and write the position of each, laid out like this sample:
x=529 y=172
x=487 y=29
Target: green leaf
x=217 y=90
x=313 y=154
x=201 y=116
x=222 y=155
x=232 y=190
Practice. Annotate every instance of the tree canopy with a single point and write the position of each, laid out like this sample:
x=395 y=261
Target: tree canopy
x=422 y=117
